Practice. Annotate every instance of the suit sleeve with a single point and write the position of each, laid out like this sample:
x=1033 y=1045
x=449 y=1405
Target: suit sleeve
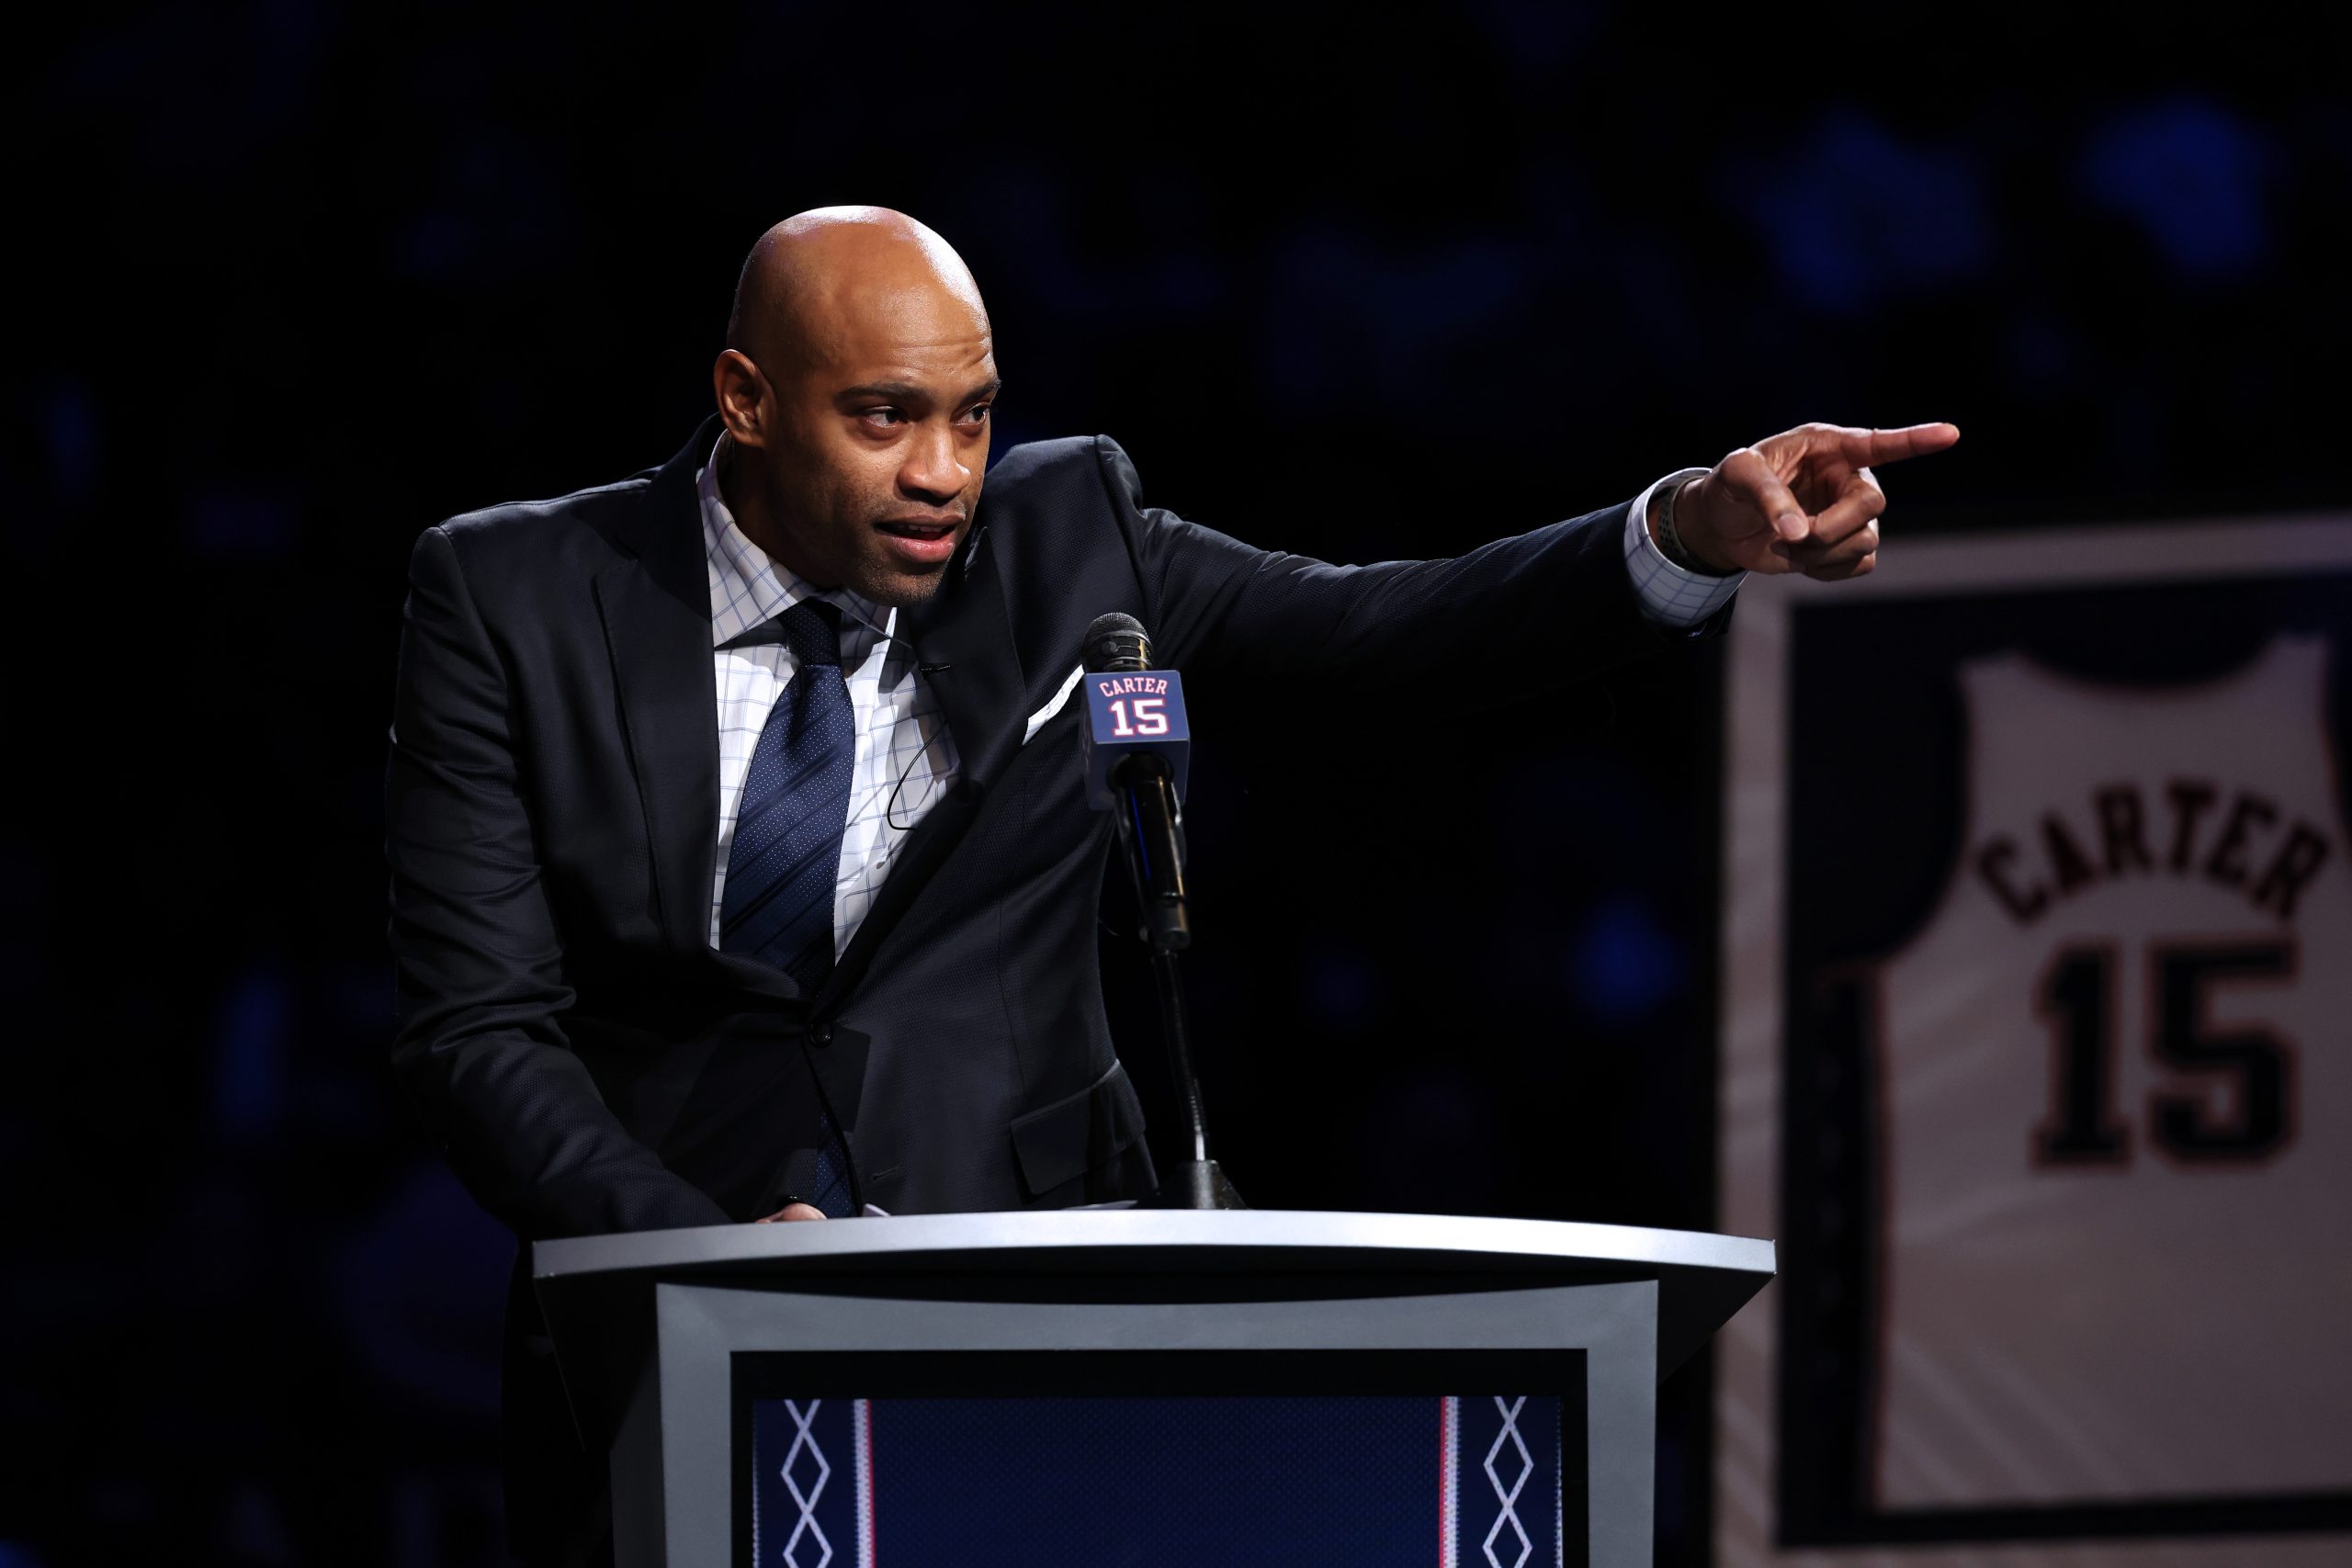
x=479 y=982
x=1557 y=601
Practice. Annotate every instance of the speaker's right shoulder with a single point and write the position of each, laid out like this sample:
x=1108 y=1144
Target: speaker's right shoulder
x=582 y=530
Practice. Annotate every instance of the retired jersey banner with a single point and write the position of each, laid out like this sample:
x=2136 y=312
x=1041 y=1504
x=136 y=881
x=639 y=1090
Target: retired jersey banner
x=2038 y=1055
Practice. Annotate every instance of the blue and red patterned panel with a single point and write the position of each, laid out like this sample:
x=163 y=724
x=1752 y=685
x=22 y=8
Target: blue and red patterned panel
x=1369 y=1480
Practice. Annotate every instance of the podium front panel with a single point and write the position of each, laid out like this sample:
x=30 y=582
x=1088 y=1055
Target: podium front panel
x=800 y=1428
x=1216 y=1468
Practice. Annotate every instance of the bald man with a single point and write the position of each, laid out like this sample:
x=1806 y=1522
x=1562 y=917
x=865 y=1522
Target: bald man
x=740 y=865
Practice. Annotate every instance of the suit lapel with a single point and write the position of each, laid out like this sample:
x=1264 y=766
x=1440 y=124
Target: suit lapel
x=662 y=666
x=656 y=609
x=963 y=639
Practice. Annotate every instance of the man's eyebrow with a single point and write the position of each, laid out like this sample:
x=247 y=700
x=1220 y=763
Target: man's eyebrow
x=908 y=392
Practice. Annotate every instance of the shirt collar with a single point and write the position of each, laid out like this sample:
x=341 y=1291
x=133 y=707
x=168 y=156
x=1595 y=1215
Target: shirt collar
x=749 y=589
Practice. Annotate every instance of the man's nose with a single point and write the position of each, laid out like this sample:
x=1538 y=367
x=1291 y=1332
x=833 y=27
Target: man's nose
x=932 y=470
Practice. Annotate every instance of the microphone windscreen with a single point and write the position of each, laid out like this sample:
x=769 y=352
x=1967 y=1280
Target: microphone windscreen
x=1115 y=642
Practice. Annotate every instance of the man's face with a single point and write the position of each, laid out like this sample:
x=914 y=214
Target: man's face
x=881 y=441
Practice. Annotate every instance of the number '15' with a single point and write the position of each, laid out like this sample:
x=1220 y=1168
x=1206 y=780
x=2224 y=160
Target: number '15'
x=2254 y=1063
x=1148 y=719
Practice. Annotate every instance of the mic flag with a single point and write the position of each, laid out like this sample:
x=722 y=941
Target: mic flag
x=1133 y=713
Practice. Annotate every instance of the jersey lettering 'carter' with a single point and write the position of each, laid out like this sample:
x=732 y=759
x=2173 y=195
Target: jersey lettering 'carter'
x=1124 y=685
x=2170 y=828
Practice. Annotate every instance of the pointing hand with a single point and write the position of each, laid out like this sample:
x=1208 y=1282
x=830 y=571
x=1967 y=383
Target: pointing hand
x=1803 y=500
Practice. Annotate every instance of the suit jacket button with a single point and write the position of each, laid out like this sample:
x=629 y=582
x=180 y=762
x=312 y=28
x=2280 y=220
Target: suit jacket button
x=820 y=1034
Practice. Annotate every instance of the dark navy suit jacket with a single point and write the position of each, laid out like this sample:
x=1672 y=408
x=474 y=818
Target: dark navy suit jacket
x=569 y=1038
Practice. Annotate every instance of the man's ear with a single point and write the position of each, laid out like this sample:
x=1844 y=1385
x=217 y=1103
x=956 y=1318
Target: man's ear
x=742 y=396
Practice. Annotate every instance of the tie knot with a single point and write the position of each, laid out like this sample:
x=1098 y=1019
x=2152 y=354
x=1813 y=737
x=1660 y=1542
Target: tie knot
x=812 y=630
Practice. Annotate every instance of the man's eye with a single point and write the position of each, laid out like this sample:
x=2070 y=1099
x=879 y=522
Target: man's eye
x=976 y=412
x=884 y=414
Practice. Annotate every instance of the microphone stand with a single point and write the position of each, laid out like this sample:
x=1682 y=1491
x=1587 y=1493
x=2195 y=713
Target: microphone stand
x=1151 y=832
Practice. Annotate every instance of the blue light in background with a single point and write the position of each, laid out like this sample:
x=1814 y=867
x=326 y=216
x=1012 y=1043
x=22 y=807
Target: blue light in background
x=1347 y=312
x=243 y=524
x=1854 y=216
x=69 y=429
x=2191 y=176
x=249 y=1053
x=1622 y=963
x=419 y=1289
x=1341 y=987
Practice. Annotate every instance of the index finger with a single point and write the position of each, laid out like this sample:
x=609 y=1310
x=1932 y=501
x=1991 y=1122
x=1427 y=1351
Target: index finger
x=1865 y=447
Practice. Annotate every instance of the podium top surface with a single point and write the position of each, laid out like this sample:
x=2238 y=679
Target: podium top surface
x=1060 y=1240
x=597 y=1291
x=591 y=1282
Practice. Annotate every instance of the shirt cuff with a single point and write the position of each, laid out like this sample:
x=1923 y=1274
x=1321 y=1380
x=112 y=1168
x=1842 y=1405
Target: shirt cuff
x=1670 y=594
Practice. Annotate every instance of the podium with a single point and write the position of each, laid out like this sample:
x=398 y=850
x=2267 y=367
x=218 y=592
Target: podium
x=1140 y=1387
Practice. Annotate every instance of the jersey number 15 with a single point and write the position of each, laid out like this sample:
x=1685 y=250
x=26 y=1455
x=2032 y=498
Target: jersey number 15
x=2251 y=1065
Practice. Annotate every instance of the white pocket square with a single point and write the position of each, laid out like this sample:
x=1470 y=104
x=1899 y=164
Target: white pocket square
x=1053 y=705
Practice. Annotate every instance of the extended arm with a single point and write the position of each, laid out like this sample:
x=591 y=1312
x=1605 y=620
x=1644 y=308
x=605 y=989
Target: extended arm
x=1567 y=599
x=480 y=985
x=1558 y=599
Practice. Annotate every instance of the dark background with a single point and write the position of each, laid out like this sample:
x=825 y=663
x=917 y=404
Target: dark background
x=295 y=281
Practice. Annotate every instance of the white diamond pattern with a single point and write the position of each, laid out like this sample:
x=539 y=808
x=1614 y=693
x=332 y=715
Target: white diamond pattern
x=804 y=1445
x=1509 y=1495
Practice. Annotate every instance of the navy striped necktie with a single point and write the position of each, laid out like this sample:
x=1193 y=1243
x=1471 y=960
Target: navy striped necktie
x=781 y=868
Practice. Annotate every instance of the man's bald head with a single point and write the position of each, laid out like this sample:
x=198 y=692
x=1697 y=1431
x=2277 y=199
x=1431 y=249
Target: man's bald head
x=825 y=275
x=857 y=385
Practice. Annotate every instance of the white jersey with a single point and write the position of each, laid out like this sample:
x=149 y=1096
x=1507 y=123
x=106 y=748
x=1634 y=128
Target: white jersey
x=2116 y=1071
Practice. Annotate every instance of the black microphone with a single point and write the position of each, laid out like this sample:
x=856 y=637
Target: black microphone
x=1136 y=742
x=1115 y=642
x=1143 y=784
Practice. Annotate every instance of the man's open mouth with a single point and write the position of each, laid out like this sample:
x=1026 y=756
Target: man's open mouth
x=904 y=530
x=920 y=546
